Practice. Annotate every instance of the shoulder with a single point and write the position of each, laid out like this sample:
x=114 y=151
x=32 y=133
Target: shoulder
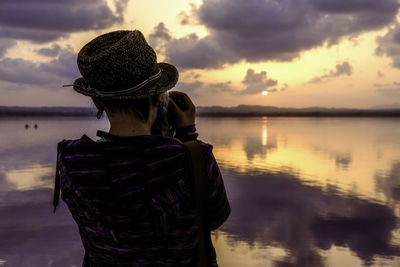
x=77 y=145
x=207 y=148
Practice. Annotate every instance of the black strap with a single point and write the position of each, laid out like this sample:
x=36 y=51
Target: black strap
x=56 y=197
x=198 y=166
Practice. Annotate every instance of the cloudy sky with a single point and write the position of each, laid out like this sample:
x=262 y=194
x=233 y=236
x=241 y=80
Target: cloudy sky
x=287 y=53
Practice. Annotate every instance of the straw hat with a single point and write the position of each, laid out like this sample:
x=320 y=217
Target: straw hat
x=121 y=65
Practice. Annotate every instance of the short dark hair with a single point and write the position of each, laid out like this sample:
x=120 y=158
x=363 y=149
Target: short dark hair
x=138 y=106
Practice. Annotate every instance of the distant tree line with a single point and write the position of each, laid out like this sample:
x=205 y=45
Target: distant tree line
x=214 y=111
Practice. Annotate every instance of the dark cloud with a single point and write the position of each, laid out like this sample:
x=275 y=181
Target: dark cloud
x=120 y=7
x=388 y=89
x=254 y=30
x=160 y=32
x=389 y=45
x=285 y=87
x=52 y=51
x=355 y=6
x=192 y=88
x=159 y=36
x=50 y=74
x=276 y=89
x=5 y=44
x=254 y=83
x=193 y=75
x=184 y=18
x=390 y=92
x=198 y=88
x=37 y=36
x=187 y=18
x=341 y=69
x=193 y=52
x=44 y=20
x=257 y=82
x=221 y=87
x=386 y=84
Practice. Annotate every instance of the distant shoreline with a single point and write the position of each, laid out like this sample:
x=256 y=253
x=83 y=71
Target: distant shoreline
x=215 y=111
x=305 y=114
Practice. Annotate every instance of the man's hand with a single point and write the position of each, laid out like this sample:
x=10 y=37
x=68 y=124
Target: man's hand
x=182 y=118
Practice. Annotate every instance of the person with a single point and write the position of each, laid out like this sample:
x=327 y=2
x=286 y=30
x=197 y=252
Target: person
x=131 y=191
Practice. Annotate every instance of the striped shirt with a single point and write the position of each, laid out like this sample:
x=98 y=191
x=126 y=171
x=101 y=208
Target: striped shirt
x=132 y=198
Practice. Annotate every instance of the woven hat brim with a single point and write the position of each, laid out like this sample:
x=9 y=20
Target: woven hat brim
x=168 y=79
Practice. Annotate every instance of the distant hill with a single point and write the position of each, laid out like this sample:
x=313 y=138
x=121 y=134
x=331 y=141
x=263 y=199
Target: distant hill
x=251 y=110
x=46 y=111
x=213 y=111
x=390 y=106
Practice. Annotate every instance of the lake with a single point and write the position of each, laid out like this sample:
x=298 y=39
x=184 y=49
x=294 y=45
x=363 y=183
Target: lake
x=303 y=191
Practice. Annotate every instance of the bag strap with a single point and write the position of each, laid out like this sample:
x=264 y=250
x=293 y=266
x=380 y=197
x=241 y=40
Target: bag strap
x=56 y=196
x=198 y=167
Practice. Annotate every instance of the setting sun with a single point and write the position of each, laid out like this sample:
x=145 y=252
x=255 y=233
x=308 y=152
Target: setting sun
x=264 y=93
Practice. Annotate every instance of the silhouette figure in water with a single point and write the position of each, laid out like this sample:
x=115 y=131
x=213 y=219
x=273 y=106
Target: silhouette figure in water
x=131 y=192
x=26 y=126
x=36 y=126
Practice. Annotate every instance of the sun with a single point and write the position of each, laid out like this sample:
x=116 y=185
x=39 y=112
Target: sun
x=264 y=93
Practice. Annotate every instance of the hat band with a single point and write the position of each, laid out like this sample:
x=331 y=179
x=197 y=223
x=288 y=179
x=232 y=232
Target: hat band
x=118 y=92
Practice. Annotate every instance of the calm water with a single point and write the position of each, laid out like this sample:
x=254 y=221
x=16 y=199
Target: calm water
x=303 y=191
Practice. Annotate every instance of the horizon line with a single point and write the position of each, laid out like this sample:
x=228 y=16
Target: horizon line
x=377 y=107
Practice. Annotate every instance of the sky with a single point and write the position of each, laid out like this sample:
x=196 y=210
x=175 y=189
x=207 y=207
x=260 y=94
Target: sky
x=285 y=53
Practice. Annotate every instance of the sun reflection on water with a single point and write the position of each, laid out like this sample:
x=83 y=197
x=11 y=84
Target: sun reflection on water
x=264 y=136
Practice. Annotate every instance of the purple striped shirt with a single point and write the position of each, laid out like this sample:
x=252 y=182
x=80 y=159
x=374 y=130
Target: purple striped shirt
x=132 y=198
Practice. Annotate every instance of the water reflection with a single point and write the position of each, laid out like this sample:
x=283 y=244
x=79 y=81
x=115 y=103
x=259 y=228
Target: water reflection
x=28 y=178
x=259 y=147
x=278 y=210
x=345 y=153
x=32 y=235
x=389 y=183
x=343 y=160
x=304 y=192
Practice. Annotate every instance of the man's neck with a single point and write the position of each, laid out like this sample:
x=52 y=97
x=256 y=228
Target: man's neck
x=128 y=125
